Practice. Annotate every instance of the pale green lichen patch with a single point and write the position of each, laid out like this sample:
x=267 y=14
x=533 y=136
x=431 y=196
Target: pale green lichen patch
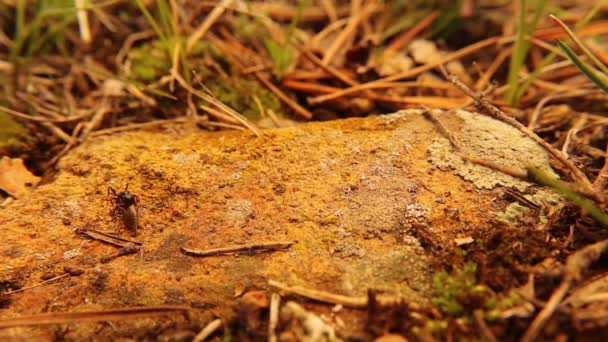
x=493 y=141
x=515 y=211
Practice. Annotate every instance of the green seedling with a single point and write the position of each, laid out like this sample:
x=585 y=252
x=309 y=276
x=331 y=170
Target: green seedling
x=521 y=46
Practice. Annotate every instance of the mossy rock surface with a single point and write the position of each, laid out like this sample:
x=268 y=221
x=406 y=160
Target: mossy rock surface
x=350 y=192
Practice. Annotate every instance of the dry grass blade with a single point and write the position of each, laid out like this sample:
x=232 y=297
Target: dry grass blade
x=273 y=320
x=349 y=30
x=580 y=44
x=208 y=330
x=83 y=21
x=601 y=181
x=206 y=25
x=92 y=316
x=36 y=285
x=229 y=111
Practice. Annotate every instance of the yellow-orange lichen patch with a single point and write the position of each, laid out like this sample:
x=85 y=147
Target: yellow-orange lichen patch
x=350 y=192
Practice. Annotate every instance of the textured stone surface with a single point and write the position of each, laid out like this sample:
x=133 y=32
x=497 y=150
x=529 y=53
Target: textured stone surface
x=351 y=192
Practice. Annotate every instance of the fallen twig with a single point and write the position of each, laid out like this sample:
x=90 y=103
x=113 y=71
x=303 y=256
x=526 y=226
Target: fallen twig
x=327 y=297
x=247 y=248
x=413 y=72
x=91 y=316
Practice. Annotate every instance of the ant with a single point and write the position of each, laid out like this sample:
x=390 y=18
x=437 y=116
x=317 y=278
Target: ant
x=125 y=206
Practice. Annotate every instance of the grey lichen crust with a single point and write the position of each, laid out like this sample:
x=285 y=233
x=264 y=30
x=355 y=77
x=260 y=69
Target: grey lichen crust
x=494 y=141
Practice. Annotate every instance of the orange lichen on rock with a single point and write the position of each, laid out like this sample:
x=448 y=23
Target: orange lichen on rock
x=350 y=192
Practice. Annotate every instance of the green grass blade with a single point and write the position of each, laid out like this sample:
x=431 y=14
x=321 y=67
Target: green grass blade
x=598 y=78
x=549 y=58
x=159 y=32
x=585 y=204
x=519 y=54
x=520 y=49
x=580 y=44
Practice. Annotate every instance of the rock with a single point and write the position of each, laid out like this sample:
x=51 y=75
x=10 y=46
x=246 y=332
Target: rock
x=359 y=185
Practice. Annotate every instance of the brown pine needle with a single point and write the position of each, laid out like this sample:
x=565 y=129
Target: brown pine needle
x=349 y=30
x=91 y=316
x=413 y=72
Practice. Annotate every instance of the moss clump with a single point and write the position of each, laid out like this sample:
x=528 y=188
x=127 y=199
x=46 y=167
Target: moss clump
x=239 y=94
x=150 y=61
x=458 y=293
x=497 y=306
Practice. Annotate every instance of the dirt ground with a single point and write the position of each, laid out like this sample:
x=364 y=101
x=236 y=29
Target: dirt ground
x=355 y=194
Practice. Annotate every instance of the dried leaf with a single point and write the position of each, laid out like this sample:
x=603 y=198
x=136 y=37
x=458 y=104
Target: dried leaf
x=15 y=178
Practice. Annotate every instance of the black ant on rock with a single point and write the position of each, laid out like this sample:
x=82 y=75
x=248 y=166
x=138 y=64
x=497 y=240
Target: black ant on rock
x=124 y=205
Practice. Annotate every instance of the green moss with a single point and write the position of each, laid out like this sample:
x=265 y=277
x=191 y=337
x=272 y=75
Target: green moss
x=496 y=307
x=239 y=94
x=150 y=61
x=456 y=292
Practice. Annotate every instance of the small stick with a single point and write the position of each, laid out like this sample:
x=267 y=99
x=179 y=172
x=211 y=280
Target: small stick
x=327 y=68
x=303 y=112
x=275 y=302
x=253 y=247
x=36 y=285
x=327 y=297
x=208 y=330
